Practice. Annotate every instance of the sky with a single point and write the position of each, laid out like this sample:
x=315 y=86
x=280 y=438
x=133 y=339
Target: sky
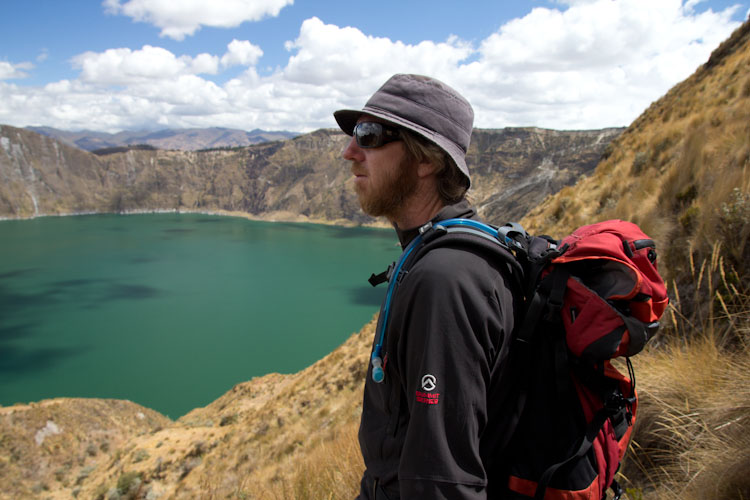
x=288 y=64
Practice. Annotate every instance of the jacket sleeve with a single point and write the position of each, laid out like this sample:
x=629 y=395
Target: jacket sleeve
x=454 y=315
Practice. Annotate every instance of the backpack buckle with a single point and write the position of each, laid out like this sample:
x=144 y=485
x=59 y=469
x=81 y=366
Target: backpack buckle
x=429 y=232
x=376 y=279
x=514 y=235
x=615 y=402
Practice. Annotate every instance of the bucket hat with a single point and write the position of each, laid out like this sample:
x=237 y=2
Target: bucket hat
x=423 y=105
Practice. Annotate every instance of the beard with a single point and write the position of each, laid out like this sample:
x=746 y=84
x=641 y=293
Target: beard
x=387 y=197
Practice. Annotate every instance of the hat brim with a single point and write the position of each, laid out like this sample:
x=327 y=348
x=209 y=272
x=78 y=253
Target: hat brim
x=347 y=119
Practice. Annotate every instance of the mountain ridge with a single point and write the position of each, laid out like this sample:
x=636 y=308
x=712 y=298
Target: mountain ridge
x=303 y=178
x=189 y=139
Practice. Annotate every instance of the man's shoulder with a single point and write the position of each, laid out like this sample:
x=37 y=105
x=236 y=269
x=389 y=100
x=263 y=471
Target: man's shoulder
x=459 y=264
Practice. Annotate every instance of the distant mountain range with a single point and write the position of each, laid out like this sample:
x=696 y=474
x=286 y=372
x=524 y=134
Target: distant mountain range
x=187 y=139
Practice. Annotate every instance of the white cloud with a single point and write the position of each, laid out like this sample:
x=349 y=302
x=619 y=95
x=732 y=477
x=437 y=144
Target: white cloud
x=178 y=19
x=241 y=52
x=202 y=64
x=10 y=71
x=124 y=66
x=597 y=63
x=329 y=55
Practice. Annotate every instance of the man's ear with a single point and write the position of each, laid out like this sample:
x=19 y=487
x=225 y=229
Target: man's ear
x=425 y=169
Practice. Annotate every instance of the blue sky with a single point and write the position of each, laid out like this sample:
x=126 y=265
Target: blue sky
x=283 y=64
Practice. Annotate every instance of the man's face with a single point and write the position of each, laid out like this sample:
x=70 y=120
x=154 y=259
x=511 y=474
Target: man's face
x=383 y=177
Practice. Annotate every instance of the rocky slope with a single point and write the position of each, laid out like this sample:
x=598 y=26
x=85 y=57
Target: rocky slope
x=302 y=178
x=48 y=449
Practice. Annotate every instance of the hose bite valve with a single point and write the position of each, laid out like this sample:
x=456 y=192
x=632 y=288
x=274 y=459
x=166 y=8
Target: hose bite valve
x=377 y=368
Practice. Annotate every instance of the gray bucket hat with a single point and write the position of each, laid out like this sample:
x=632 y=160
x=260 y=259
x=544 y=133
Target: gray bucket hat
x=423 y=105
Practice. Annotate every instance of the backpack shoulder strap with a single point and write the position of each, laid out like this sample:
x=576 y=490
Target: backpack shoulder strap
x=458 y=233
x=443 y=233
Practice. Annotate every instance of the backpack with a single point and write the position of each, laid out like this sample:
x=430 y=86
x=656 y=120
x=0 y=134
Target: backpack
x=593 y=296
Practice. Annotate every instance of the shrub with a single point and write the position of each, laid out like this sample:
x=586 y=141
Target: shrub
x=746 y=88
x=140 y=455
x=734 y=226
x=129 y=483
x=639 y=162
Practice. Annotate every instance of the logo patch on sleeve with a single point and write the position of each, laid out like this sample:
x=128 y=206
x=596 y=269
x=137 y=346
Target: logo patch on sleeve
x=428 y=395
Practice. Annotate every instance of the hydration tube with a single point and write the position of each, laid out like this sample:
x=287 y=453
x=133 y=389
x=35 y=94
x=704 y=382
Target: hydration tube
x=376 y=359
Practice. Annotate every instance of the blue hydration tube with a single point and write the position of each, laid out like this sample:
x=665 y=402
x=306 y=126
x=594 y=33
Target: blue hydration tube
x=376 y=359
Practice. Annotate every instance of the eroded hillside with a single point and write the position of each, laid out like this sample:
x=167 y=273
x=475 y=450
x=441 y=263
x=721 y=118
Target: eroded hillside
x=681 y=170
x=304 y=178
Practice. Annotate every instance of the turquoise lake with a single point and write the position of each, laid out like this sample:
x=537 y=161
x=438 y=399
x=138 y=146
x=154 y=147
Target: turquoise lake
x=171 y=310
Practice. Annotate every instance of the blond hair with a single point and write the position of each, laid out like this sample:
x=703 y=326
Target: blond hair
x=452 y=183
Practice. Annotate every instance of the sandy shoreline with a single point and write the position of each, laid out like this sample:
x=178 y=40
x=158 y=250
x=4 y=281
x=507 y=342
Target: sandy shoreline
x=269 y=217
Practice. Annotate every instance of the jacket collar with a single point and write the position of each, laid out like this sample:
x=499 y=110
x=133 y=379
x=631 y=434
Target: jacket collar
x=462 y=209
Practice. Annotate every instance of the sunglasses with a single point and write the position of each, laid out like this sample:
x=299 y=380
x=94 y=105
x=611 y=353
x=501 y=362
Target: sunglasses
x=374 y=134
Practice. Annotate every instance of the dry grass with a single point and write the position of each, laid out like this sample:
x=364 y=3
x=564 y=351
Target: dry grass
x=693 y=437
x=692 y=440
x=331 y=471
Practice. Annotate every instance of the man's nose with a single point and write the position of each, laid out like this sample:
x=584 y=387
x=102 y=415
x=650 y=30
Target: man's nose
x=352 y=151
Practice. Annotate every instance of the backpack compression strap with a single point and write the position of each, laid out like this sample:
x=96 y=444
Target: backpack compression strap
x=551 y=292
x=504 y=238
x=593 y=429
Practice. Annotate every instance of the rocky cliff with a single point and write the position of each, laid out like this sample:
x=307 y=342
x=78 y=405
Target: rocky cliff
x=303 y=178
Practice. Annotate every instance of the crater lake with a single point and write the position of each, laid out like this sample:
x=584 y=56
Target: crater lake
x=171 y=310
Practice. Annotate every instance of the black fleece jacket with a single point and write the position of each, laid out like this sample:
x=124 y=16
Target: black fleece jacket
x=429 y=430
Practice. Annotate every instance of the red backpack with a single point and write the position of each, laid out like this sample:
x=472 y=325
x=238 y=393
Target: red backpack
x=598 y=296
x=594 y=296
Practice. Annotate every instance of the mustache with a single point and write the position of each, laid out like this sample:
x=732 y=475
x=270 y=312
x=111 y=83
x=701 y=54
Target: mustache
x=357 y=168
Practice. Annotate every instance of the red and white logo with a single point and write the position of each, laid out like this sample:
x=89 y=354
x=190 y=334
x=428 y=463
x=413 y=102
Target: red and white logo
x=429 y=397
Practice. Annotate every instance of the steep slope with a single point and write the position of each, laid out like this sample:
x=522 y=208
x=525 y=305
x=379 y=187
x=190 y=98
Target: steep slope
x=300 y=179
x=514 y=169
x=52 y=446
x=681 y=170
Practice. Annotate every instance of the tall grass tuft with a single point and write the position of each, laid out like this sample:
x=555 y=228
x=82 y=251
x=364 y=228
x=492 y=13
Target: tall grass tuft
x=692 y=439
x=329 y=472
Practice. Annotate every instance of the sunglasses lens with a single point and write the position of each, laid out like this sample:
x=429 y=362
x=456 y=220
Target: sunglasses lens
x=369 y=134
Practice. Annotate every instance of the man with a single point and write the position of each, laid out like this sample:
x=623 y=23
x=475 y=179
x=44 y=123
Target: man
x=430 y=428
